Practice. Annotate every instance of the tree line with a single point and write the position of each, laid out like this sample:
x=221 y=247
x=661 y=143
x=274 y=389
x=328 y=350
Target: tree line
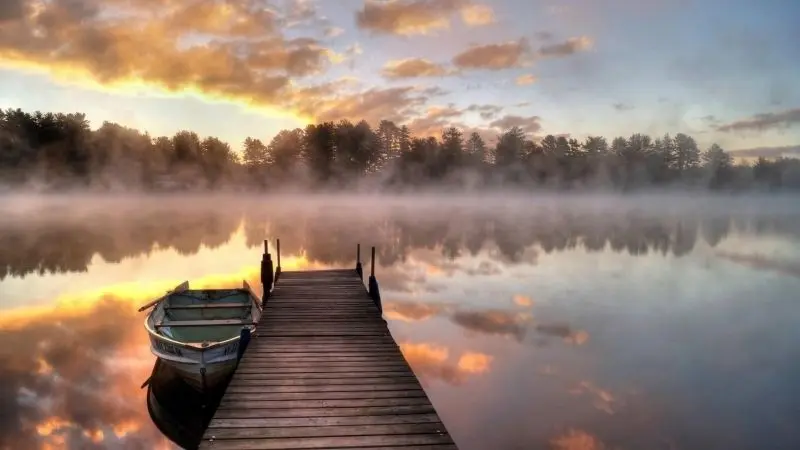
x=56 y=151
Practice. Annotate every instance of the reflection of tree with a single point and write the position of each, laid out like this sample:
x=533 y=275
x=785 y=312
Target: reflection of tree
x=64 y=242
x=67 y=242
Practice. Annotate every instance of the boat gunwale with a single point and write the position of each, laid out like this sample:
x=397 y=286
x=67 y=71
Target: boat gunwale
x=255 y=301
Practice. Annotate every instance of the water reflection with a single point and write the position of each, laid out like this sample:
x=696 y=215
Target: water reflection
x=54 y=240
x=176 y=408
x=535 y=325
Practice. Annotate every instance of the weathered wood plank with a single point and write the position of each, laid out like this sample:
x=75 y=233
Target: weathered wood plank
x=264 y=383
x=316 y=421
x=327 y=442
x=325 y=375
x=329 y=431
x=371 y=411
x=237 y=397
x=323 y=356
x=358 y=361
x=324 y=388
x=334 y=403
x=328 y=369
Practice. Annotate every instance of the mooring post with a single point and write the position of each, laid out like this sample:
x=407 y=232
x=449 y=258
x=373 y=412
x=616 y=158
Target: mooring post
x=278 y=270
x=244 y=339
x=374 y=291
x=267 y=276
x=359 y=270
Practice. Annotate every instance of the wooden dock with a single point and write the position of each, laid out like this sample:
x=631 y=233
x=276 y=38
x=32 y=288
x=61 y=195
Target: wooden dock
x=323 y=371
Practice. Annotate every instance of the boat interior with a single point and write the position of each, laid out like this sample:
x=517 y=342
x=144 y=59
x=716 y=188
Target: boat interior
x=205 y=315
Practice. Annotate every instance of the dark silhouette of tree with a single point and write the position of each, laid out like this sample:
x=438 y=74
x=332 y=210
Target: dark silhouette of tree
x=57 y=151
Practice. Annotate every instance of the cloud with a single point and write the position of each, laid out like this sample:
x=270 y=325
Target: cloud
x=474 y=362
x=767 y=152
x=477 y=15
x=12 y=10
x=577 y=440
x=522 y=300
x=299 y=11
x=395 y=104
x=332 y=31
x=527 y=124
x=622 y=107
x=764 y=121
x=232 y=50
x=525 y=80
x=413 y=68
x=434 y=121
x=569 y=47
x=493 y=56
x=407 y=17
x=486 y=111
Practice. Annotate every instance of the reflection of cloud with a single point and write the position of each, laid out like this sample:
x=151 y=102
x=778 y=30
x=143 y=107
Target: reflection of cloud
x=791 y=268
x=411 y=311
x=522 y=300
x=563 y=331
x=429 y=360
x=601 y=398
x=576 y=440
x=474 y=362
x=493 y=322
x=68 y=375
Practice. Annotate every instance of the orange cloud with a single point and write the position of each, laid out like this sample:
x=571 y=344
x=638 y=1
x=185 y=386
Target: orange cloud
x=576 y=440
x=493 y=56
x=522 y=300
x=525 y=80
x=429 y=360
x=410 y=17
x=477 y=15
x=413 y=68
x=231 y=51
x=474 y=362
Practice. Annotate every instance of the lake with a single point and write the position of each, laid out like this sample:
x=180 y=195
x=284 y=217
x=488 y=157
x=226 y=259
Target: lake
x=572 y=322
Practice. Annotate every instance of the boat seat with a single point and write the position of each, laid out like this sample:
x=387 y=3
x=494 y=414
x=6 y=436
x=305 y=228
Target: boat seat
x=205 y=323
x=210 y=306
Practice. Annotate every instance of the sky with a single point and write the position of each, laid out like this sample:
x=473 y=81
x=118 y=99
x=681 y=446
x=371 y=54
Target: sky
x=723 y=71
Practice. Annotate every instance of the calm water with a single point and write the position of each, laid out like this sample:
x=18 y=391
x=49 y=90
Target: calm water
x=572 y=323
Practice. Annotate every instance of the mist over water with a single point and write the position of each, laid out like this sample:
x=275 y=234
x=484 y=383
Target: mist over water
x=563 y=322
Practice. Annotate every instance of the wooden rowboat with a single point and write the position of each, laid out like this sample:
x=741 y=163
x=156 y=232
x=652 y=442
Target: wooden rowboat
x=198 y=331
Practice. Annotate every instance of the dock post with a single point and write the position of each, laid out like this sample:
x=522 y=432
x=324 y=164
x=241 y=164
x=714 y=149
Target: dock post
x=244 y=339
x=359 y=270
x=267 y=276
x=374 y=291
x=278 y=270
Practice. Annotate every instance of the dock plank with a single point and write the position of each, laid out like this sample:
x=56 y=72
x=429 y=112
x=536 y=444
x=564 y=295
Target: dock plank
x=323 y=371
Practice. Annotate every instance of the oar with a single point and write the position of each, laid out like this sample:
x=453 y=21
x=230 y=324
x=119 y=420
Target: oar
x=181 y=287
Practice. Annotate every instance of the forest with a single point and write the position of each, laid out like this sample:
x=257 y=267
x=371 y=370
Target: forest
x=53 y=152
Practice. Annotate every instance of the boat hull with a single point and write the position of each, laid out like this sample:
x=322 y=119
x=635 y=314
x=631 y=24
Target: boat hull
x=191 y=373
